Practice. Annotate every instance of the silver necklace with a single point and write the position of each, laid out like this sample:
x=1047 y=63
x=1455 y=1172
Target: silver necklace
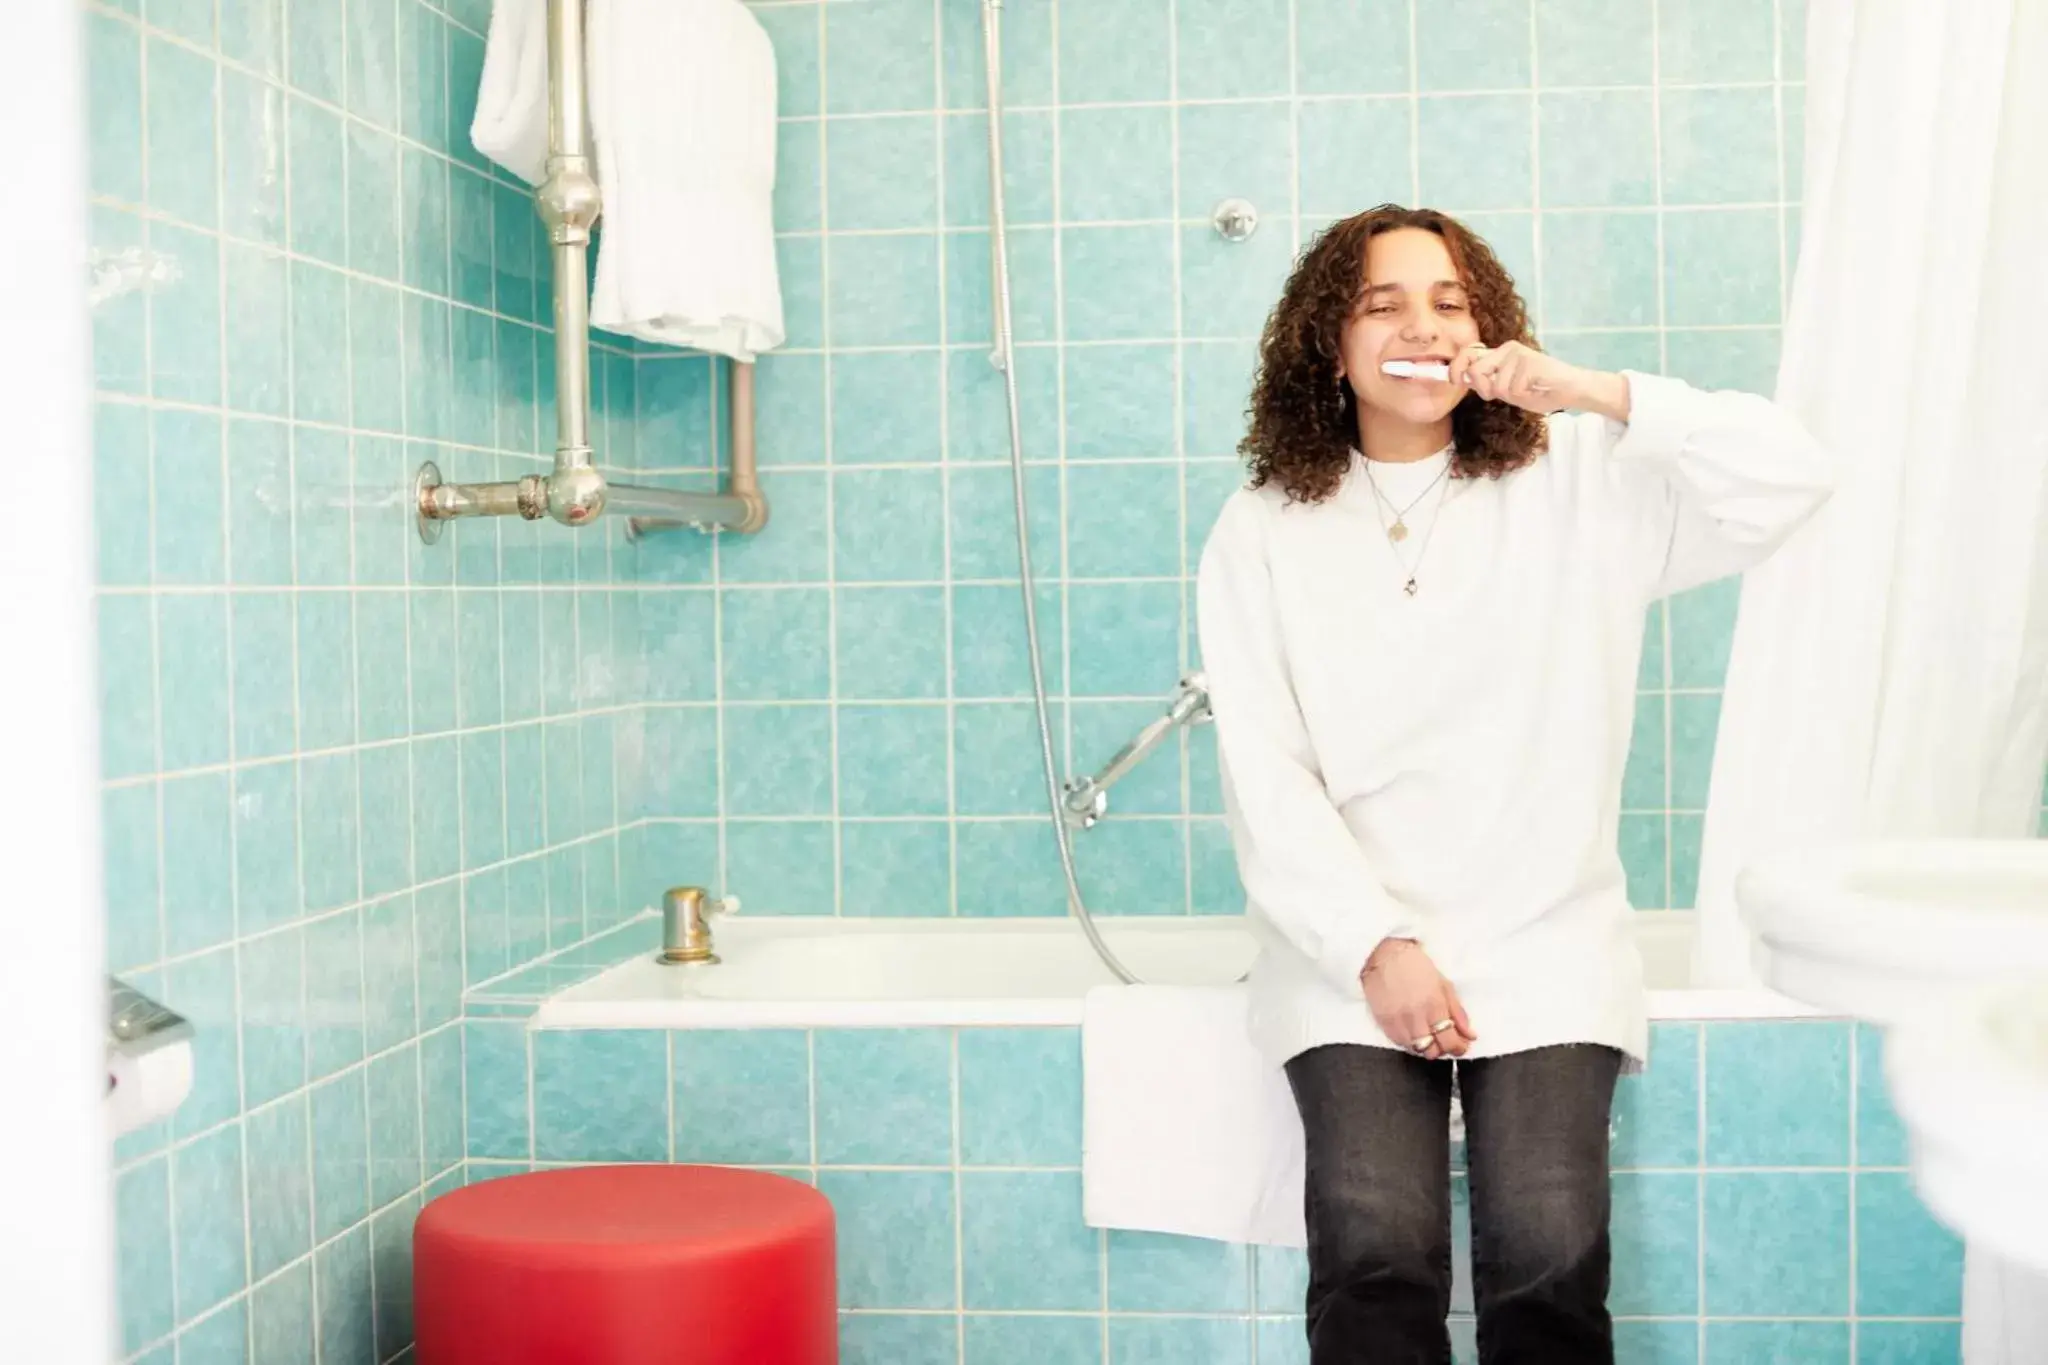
x=1411 y=586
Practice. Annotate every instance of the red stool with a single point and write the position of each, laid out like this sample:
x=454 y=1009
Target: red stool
x=627 y=1265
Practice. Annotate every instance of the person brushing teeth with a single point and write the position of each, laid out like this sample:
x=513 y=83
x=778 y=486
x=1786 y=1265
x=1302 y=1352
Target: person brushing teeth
x=1421 y=621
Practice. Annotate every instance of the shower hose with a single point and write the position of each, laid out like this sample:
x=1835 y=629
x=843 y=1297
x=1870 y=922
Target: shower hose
x=1002 y=358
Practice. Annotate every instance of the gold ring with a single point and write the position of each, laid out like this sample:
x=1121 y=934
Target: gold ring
x=1440 y=1025
x=1424 y=1043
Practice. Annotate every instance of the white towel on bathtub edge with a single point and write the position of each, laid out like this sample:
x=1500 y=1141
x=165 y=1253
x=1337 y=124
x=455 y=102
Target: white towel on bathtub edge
x=1186 y=1129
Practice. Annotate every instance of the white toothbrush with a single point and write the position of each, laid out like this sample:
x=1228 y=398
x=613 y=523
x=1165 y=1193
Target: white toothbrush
x=1416 y=369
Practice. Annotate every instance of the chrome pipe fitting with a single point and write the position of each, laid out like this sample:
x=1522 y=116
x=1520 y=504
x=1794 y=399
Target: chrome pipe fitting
x=436 y=502
x=568 y=200
x=575 y=491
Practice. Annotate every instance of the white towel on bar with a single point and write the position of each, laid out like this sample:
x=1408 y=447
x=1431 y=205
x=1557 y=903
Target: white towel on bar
x=1186 y=1129
x=511 y=122
x=682 y=110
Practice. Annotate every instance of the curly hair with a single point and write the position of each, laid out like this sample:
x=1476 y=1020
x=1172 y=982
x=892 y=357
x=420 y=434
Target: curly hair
x=1304 y=418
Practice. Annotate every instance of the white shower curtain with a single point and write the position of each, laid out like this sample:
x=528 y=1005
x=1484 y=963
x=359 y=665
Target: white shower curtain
x=1890 y=667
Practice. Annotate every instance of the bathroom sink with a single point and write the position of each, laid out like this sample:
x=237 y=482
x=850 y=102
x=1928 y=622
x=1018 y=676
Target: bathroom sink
x=1882 y=930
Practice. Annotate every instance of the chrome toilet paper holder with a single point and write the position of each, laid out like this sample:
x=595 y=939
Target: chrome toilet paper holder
x=136 y=1024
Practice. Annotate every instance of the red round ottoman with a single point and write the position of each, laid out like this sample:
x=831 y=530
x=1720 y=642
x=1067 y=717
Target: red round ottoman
x=627 y=1265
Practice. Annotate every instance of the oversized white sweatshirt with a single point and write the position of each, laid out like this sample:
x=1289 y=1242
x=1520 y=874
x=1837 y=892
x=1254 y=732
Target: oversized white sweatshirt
x=1446 y=765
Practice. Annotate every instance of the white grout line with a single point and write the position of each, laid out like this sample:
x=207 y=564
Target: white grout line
x=406 y=383
x=721 y=751
x=1536 y=303
x=1062 y=730
x=1367 y=96
x=946 y=621
x=1785 y=191
x=1657 y=179
x=156 y=678
x=1294 y=103
x=291 y=521
x=959 y=1191
x=1663 y=366
x=1414 y=99
x=234 y=953
x=831 y=548
x=1856 y=1080
x=811 y=1099
x=1196 y=218
x=1184 y=635
x=1700 y=1185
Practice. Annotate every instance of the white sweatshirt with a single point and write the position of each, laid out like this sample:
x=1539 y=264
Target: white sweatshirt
x=1446 y=766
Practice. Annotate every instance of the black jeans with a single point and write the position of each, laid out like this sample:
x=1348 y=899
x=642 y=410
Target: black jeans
x=1379 y=1204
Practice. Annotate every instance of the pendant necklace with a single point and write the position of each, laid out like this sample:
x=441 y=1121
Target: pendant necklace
x=1397 y=530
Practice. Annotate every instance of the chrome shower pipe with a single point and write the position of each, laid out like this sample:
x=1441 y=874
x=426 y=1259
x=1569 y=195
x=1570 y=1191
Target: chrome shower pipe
x=575 y=493
x=1086 y=799
x=569 y=205
x=741 y=507
x=999 y=254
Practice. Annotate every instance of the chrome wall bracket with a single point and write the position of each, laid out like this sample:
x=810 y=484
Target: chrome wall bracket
x=1085 y=800
x=1235 y=219
x=423 y=485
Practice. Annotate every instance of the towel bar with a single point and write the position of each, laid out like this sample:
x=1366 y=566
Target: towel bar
x=575 y=493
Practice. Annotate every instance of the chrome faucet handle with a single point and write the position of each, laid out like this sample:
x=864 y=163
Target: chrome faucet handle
x=686 y=913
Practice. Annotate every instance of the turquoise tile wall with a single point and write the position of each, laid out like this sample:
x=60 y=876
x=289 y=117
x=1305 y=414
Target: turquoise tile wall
x=346 y=775
x=856 y=676
x=1761 y=1210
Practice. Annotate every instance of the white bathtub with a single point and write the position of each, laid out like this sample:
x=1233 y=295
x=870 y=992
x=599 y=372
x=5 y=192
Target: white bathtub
x=839 y=973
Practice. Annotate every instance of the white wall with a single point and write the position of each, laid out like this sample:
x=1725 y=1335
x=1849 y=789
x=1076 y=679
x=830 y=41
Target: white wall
x=54 y=1260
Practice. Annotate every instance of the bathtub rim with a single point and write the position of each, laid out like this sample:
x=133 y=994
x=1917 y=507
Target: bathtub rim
x=598 y=1002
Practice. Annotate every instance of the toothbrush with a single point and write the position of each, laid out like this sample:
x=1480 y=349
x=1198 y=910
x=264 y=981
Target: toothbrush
x=1412 y=369
x=1415 y=369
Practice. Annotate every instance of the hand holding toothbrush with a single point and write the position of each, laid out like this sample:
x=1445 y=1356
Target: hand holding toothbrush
x=1527 y=378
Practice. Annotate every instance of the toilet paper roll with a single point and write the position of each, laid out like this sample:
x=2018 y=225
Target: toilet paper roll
x=147 y=1086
